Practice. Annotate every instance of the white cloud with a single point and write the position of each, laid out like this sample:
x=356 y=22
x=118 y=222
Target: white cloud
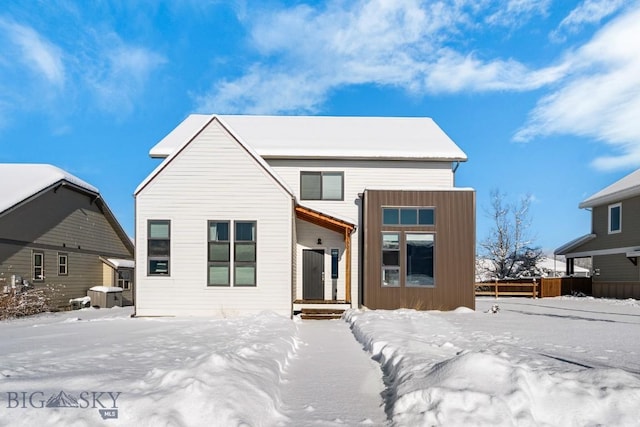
x=600 y=99
x=34 y=51
x=589 y=12
x=118 y=75
x=514 y=12
x=403 y=44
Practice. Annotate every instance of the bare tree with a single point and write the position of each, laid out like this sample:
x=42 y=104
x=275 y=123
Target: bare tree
x=508 y=249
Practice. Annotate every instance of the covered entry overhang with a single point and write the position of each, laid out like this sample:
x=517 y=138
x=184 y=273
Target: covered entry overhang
x=337 y=225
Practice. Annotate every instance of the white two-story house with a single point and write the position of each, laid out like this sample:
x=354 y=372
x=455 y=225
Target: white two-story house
x=252 y=213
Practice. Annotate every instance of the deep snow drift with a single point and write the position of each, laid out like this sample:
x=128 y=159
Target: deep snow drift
x=545 y=362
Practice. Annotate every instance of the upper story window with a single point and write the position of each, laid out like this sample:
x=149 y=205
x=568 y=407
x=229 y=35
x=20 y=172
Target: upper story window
x=408 y=216
x=158 y=247
x=322 y=185
x=615 y=218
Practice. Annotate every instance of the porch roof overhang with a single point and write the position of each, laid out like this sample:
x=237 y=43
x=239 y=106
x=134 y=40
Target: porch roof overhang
x=323 y=220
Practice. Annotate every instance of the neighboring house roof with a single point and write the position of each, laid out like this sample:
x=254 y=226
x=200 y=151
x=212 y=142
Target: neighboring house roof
x=400 y=138
x=629 y=186
x=187 y=131
x=21 y=181
x=574 y=244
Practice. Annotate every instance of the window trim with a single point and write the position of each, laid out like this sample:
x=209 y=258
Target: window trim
x=37 y=277
x=417 y=210
x=433 y=259
x=126 y=284
x=322 y=175
x=610 y=208
x=219 y=263
x=254 y=263
x=397 y=267
x=158 y=257
x=65 y=264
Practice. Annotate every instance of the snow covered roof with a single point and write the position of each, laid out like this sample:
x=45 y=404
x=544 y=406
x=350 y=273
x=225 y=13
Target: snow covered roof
x=120 y=263
x=23 y=180
x=574 y=244
x=326 y=137
x=629 y=186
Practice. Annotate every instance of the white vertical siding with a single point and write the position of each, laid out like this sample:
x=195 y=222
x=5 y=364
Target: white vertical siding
x=214 y=178
x=358 y=176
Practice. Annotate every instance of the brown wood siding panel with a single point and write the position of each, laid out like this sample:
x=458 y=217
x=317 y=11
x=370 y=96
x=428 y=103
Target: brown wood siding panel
x=454 y=250
x=620 y=290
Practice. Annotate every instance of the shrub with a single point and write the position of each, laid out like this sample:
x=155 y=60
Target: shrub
x=25 y=301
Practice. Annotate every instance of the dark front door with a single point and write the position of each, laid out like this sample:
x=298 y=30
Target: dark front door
x=313 y=274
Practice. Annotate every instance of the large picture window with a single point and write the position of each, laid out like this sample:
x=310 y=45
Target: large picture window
x=419 y=259
x=390 y=259
x=158 y=247
x=615 y=218
x=245 y=253
x=322 y=185
x=219 y=254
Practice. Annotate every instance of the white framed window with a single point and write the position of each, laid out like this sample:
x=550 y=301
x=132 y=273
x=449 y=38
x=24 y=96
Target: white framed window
x=63 y=264
x=615 y=218
x=124 y=279
x=38 y=266
x=158 y=247
x=322 y=185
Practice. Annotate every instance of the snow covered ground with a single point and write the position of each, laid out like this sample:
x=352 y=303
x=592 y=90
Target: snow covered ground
x=545 y=362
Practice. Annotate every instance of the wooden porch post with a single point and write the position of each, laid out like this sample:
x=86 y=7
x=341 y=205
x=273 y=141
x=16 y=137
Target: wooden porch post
x=347 y=253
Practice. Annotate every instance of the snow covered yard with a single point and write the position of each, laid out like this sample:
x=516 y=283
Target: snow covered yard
x=545 y=362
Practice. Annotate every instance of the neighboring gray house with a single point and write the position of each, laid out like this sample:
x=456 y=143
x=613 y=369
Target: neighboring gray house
x=55 y=229
x=252 y=213
x=614 y=241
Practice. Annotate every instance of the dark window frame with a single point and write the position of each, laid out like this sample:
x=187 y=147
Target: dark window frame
x=397 y=216
x=221 y=243
x=158 y=258
x=322 y=174
x=407 y=260
x=243 y=242
x=391 y=267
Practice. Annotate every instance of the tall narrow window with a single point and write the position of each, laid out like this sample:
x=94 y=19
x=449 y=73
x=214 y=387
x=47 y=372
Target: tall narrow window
x=322 y=185
x=245 y=253
x=391 y=259
x=615 y=218
x=38 y=266
x=124 y=279
x=335 y=257
x=63 y=264
x=158 y=247
x=419 y=256
x=219 y=254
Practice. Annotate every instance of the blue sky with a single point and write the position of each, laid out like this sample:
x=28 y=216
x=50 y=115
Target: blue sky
x=542 y=95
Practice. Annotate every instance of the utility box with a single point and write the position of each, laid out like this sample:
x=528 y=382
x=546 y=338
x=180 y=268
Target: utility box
x=105 y=296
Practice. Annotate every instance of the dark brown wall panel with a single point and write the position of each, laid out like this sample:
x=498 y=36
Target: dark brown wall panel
x=454 y=232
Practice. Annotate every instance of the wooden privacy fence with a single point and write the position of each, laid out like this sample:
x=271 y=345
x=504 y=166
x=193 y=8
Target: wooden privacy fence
x=535 y=287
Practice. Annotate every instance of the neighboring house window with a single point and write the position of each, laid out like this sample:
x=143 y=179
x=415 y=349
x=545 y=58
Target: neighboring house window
x=63 y=264
x=322 y=185
x=419 y=253
x=158 y=247
x=615 y=218
x=38 y=266
x=408 y=216
x=124 y=279
x=244 y=254
x=390 y=259
x=218 y=254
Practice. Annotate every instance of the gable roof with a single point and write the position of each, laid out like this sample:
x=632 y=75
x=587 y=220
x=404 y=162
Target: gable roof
x=629 y=186
x=21 y=181
x=189 y=131
x=321 y=137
